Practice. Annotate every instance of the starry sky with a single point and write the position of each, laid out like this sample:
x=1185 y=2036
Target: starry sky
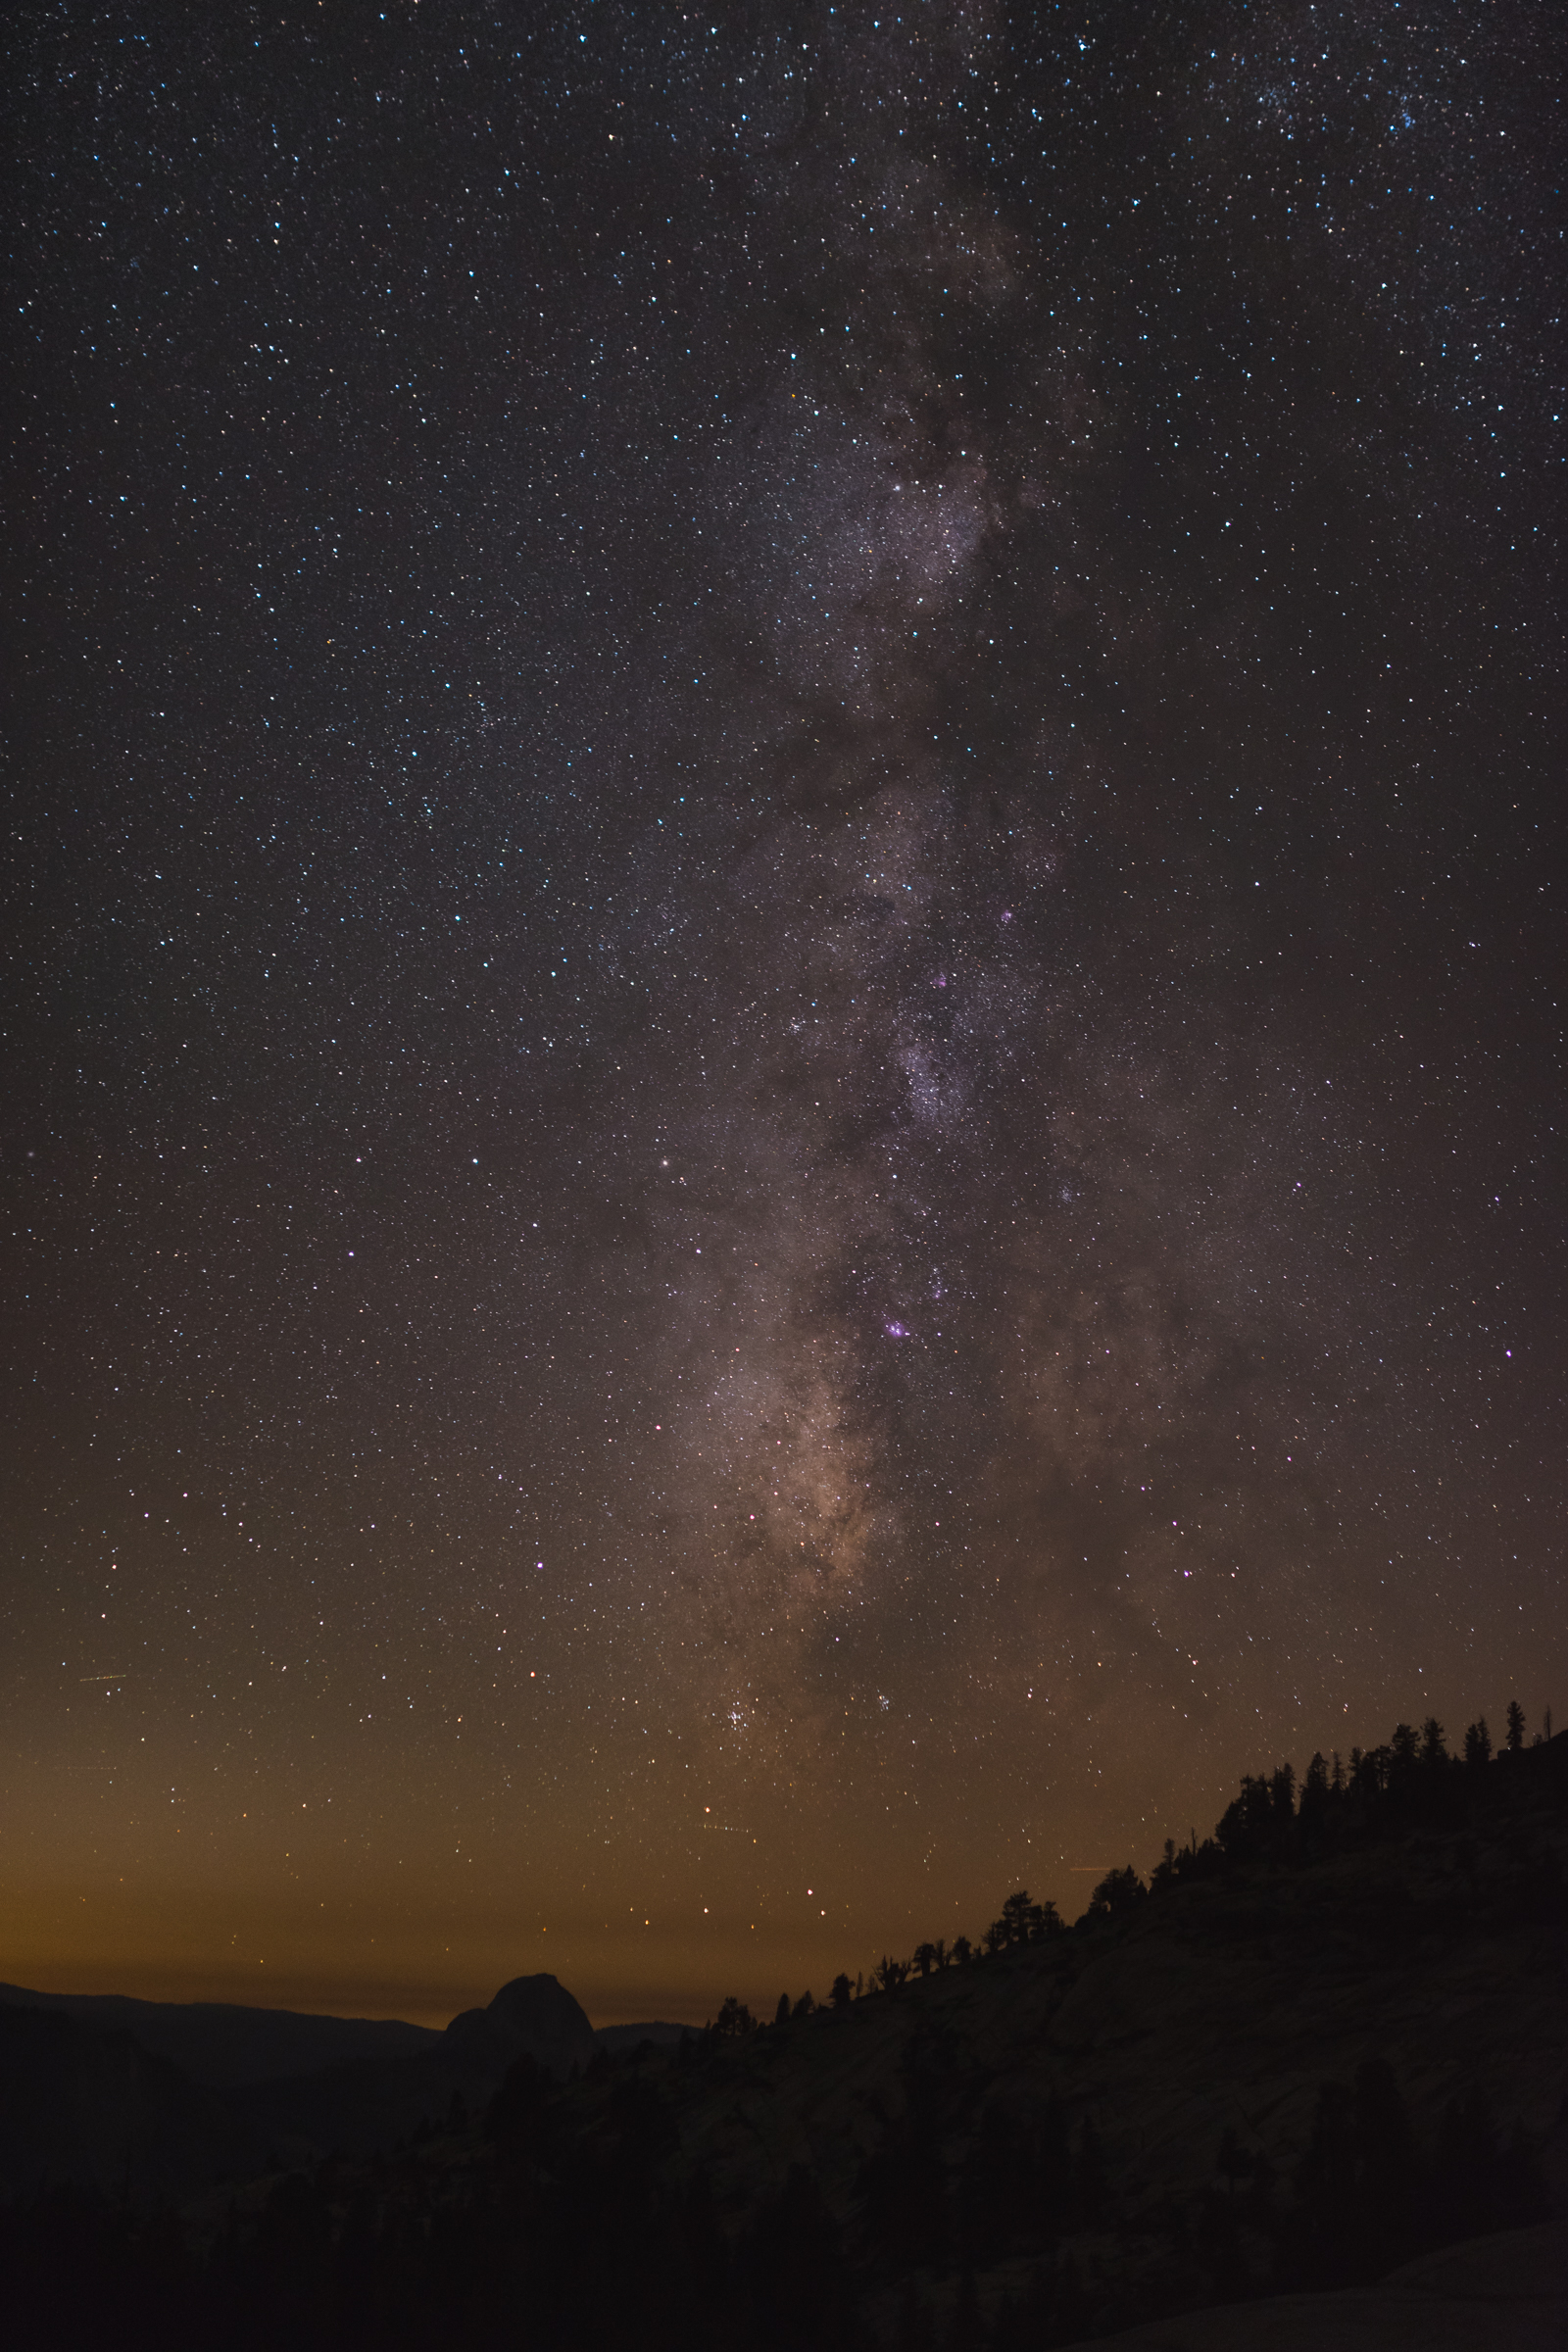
x=783 y=969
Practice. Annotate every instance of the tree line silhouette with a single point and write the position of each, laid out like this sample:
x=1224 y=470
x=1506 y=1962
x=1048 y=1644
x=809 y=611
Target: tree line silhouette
x=1413 y=1780
x=559 y=2219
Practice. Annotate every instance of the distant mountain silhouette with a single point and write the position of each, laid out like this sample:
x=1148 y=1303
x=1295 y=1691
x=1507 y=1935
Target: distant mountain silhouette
x=221 y=2044
x=224 y=2046
x=163 y=2097
x=1323 y=2044
x=374 y=2103
x=88 y=2104
x=1313 y=2051
x=659 y=2031
x=533 y=2015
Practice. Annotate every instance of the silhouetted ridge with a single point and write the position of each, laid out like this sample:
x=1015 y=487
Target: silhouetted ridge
x=1382 y=1793
x=223 y=2045
x=535 y=2014
x=1325 y=2040
x=86 y=2103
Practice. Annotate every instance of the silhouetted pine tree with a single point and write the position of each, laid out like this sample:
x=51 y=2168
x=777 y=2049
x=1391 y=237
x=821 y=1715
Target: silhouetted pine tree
x=1088 y=2182
x=1356 y=2186
x=1476 y=2184
x=1118 y=1893
x=1233 y=2162
x=1053 y=2171
x=733 y=2022
x=964 y=2331
x=525 y=2087
x=1015 y=1916
x=997 y=2204
x=793 y=2269
x=1313 y=1812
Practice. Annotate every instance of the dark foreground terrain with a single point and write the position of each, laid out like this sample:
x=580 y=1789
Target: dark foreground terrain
x=1316 y=2051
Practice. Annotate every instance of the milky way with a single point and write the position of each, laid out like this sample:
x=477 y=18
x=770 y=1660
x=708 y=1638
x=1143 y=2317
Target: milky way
x=785 y=966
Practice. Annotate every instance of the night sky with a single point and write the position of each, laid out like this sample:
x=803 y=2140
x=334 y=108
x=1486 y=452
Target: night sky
x=783 y=972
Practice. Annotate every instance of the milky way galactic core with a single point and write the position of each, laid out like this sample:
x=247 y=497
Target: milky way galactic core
x=784 y=975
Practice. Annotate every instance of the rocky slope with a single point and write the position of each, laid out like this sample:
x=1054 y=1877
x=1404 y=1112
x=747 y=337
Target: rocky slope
x=1341 y=2042
x=1505 y=2293
x=1331 y=2041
